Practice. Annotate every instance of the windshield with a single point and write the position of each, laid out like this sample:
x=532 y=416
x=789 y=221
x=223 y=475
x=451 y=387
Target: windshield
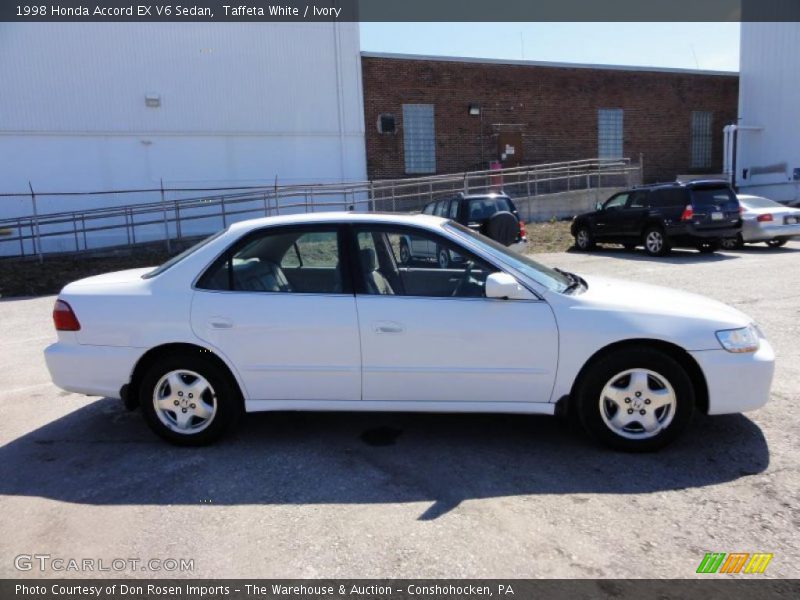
x=551 y=279
x=721 y=197
x=179 y=257
x=758 y=202
x=484 y=208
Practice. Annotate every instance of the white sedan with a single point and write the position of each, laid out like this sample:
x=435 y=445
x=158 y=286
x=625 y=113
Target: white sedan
x=764 y=220
x=318 y=312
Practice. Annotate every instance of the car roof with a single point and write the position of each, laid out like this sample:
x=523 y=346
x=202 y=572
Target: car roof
x=428 y=221
x=463 y=196
x=683 y=184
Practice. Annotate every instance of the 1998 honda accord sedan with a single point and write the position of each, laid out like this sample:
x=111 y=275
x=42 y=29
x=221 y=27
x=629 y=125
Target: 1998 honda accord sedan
x=318 y=312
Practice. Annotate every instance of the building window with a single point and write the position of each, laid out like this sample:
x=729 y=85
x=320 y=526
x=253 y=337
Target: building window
x=701 y=139
x=609 y=133
x=419 y=143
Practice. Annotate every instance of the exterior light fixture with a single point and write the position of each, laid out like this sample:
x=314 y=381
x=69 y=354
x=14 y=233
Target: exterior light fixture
x=152 y=100
x=474 y=110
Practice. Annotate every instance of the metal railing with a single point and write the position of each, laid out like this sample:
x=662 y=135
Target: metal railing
x=175 y=214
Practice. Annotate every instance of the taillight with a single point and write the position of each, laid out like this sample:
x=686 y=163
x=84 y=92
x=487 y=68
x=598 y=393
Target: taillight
x=63 y=317
x=521 y=228
x=687 y=213
x=763 y=218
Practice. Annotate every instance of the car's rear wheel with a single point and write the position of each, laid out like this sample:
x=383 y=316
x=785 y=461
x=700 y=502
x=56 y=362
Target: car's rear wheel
x=405 y=252
x=776 y=243
x=733 y=243
x=655 y=241
x=584 y=240
x=637 y=399
x=188 y=400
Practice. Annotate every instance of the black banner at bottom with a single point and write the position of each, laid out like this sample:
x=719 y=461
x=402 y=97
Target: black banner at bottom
x=397 y=589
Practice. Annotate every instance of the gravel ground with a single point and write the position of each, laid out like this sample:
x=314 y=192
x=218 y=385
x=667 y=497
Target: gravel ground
x=393 y=495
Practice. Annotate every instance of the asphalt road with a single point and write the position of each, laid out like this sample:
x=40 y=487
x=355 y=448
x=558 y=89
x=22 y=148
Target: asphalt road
x=393 y=495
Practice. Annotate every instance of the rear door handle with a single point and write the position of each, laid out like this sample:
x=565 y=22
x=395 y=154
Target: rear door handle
x=220 y=323
x=388 y=327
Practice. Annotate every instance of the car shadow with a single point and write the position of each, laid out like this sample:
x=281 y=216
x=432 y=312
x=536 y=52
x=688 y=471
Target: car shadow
x=104 y=455
x=676 y=256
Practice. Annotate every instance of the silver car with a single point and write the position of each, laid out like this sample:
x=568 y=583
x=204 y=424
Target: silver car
x=764 y=220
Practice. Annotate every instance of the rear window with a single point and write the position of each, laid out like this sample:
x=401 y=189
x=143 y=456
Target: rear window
x=179 y=257
x=484 y=208
x=721 y=198
x=758 y=202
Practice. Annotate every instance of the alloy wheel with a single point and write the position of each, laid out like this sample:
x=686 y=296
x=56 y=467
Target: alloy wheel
x=654 y=241
x=637 y=404
x=184 y=401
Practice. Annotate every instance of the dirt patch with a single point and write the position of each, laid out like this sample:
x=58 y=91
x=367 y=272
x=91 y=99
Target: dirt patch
x=551 y=236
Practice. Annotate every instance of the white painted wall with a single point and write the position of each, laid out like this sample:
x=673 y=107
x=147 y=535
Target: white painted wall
x=241 y=104
x=769 y=98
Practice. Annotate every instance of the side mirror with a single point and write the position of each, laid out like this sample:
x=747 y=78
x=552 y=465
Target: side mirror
x=598 y=205
x=503 y=286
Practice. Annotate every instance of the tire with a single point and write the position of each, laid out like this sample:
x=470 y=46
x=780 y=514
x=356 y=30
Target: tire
x=776 y=243
x=190 y=373
x=630 y=247
x=584 y=240
x=616 y=387
x=405 y=252
x=503 y=227
x=656 y=242
x=736 y=243
x=708 y=247
x=443 y=257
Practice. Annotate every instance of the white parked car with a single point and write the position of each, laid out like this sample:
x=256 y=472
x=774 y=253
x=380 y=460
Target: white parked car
x=317 y=312
x=764 y=220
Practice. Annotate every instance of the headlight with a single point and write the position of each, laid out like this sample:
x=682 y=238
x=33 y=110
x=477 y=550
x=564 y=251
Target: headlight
x=739 y=340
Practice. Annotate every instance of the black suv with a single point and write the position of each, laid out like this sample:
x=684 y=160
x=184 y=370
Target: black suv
x=493 y=215
x=694 y=214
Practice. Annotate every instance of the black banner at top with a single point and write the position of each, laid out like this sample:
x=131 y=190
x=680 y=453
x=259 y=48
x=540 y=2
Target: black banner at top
x=399 y=10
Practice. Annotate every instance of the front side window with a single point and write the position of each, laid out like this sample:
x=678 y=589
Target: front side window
x=609 y=133
x=549 y=278
x=617 y=201
x=388 y=269
x=279 y=260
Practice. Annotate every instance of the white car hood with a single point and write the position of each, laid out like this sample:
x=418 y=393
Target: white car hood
x=639 y=299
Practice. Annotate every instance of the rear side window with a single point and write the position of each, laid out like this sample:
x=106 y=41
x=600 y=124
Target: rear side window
x=453 y=214
x=719 y=197
x=428 y=210
x=668 y=198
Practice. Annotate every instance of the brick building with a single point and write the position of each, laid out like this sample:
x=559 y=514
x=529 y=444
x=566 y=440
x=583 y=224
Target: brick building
x=428 y=115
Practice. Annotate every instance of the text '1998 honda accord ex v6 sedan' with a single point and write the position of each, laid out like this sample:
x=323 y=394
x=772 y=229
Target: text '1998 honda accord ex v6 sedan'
x=318 y=312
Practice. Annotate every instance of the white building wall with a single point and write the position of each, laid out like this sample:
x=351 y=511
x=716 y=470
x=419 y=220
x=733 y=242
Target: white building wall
x=769 y=99
x=241 y=104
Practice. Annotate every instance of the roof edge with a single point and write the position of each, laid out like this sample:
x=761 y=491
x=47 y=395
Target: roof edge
x=538 y=63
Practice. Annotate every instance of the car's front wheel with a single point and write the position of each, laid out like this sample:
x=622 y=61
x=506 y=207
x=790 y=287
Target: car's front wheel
x=188 y=400
x=443 y=257
x=637 y=399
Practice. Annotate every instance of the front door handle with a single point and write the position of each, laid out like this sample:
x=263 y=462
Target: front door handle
x=388 y=327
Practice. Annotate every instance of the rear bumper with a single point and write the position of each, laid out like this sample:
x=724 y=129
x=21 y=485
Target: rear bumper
x=91 y=370
x=737 y=382
x=757 y=232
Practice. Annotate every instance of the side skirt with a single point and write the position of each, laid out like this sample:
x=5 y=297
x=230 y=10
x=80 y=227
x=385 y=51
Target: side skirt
x=532 y=408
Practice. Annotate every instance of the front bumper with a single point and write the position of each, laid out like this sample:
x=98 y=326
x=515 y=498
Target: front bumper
x=91 y=370
x=737 y=382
